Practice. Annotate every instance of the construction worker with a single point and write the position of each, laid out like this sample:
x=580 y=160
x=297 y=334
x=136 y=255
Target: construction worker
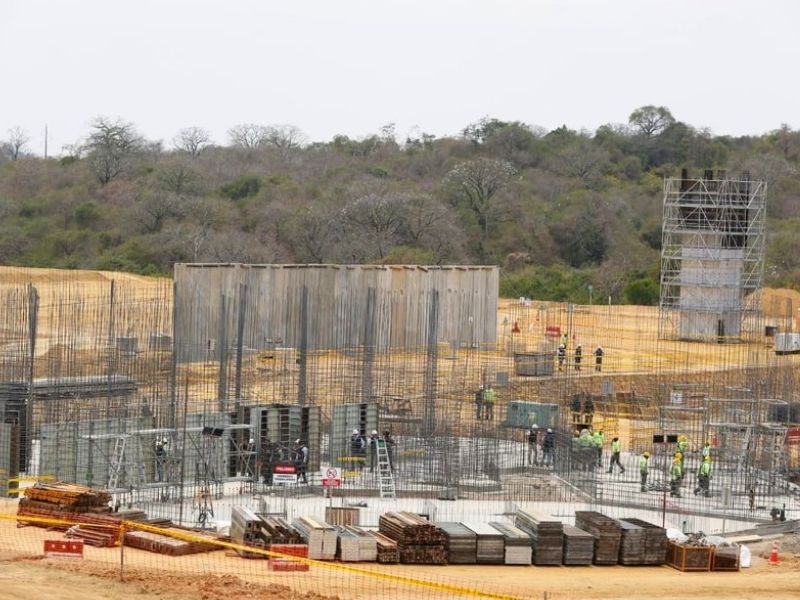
x=578 y=357
x=561 y=353
x=489 y=398
x=533 y=445
x=548 y=447
x=358 y=449
x=373 y=450
x=479 y=403
x=598 y=358
x=588 y=410
x=161 y=458
x=616 y=450
x=675 y=477
x=301 y=459
x=644 y=468
x=683 y=448
x=704 y=478
x=575 y=408
x=706 y=451
x=588 y=450
x=599 y=440
x=564 y=340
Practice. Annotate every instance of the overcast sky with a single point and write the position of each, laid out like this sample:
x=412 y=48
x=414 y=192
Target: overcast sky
x=351 y=66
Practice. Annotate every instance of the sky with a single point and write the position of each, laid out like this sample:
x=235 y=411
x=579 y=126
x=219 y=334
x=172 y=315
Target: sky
x=351 y=66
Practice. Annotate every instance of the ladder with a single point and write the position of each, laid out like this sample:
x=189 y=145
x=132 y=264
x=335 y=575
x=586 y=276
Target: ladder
x=128 y=460
x=116 y=465
x=386 y=480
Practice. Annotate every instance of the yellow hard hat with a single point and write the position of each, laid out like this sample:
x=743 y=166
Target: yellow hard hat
x=707 y=459
x=646 y=455
x=678 y=456
x=683 y=438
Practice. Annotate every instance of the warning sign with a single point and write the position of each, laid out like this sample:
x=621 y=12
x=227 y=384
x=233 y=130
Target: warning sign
x=331 y=477
x=70 y=549
x=552 y=331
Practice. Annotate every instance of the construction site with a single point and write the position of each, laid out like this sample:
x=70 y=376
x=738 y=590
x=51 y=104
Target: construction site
x=350 y=394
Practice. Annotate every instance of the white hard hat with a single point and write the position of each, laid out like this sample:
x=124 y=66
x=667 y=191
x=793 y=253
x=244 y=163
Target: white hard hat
x=549 y=430
x=297 y=441
x=355 y=431
x=165 y=441
x=252 y=441
x=374 y=432
x=534 y=426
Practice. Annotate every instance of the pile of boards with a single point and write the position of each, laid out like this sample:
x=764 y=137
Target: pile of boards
x=170 y=545
x=490 y=547
x=320 y=537
x=461 y=543
x=419 y=541
x=654 y=551
x=578 y=546
x=518 y=549
x=607 y=534
x=387 y=552
x=547 y=536
x=356 y=545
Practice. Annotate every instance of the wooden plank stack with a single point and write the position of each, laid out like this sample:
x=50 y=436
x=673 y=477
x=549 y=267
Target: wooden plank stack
x=419 y=542
x=606 y=532
x=632 y=542
x=320 y=537
x=387 y=548
x=491 y=544
x=165 y=544
x=69 y=496
x=547 y=537
x=518 y=549
x=578 y=546
x=461 y=543
x=336 y=515
x=92 y=537
x=655 y=544
x=356 y=545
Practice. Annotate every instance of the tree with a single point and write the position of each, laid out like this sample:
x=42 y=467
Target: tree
x=110 y=146
x=192 y=140
x=642 y=291
x=17 y=142
x=378 y=216
x=284 y=137
x=580 y=159
x=477 y=184
x=248 y=136
x=651 y=120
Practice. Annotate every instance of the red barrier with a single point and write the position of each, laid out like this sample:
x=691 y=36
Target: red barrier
x=63 y=548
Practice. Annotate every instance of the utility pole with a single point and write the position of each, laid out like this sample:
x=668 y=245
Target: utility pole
x=45 y=141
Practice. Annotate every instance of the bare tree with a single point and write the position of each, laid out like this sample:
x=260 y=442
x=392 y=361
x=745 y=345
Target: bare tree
x=192 y=140
x=477 y=183
x=110 y=145
x=581 y=159
x=313 y=231
x=248 y=135
x=17 y=142
x=285 y=137
x=377 y=217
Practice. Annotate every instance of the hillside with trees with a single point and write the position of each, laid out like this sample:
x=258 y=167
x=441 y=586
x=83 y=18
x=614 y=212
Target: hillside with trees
x=562 y=212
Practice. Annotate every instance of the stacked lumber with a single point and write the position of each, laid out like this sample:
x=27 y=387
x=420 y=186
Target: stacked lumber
x=632 y=542
x=419 y=542
x=547 y=537
x=356 y=545
x=320 y=537
x=655 y=545
x=578 y=546
x=166 y=544
x=491 y=544
x=246 y=531
x=461 y=543
x=336 y=515
x=274 y=530
x=386 y=547
x=92 y=537
x=517 y=543
x=606 y=532
x=69 y=496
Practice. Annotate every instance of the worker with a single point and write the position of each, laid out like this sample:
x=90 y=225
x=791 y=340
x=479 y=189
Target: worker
x=489 y=398
x=706 y=451
x=587 y=450
x=515 y=327
x=598 y=358
x=704 y=478
x=616 y=450
x=548 y=447
x=301 y=459
x=575 y=408
x=578 y=357
x=588 y=410
x=564 y=340
x=675 y=477
x=561 y=355
x=575 y=449
x=373 y=449
x=358 y=449
x=479 y=403
x=599 y=440
x=683 y=448
x=390 y=444
x=161 y=458
x=533 y=445
x=644 y=468
x=751 y=496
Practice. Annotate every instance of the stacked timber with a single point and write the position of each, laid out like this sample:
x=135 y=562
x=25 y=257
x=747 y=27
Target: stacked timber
x=491 y=544
x=338 y=515
x=356 y=545
x=578 y=546
x=461 y=543
x=386 y=547
x=517 y=543
x=169 y=543
x=274 y=530
x=655 y=545
x=70 y=496
x=419 y=542
x=632 y=543
x=547 y=536
x=92 y=537
x=606 y=532
x=246 y=531
x=320 y=537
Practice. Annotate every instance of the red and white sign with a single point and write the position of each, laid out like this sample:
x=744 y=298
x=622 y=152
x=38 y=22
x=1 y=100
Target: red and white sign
x=284 y=470
x=793 y=436
x=552 y=331
x=331 y=477
x=63 y=548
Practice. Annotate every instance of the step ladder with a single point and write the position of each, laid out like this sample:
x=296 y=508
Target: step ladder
x=116 y=464
x=386 y=480
x=127 y=460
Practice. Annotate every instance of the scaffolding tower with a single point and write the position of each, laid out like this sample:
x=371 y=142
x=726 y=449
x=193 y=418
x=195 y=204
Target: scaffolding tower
x=712 y=257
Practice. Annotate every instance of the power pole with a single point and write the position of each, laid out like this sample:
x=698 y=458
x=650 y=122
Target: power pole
x=45 y=141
